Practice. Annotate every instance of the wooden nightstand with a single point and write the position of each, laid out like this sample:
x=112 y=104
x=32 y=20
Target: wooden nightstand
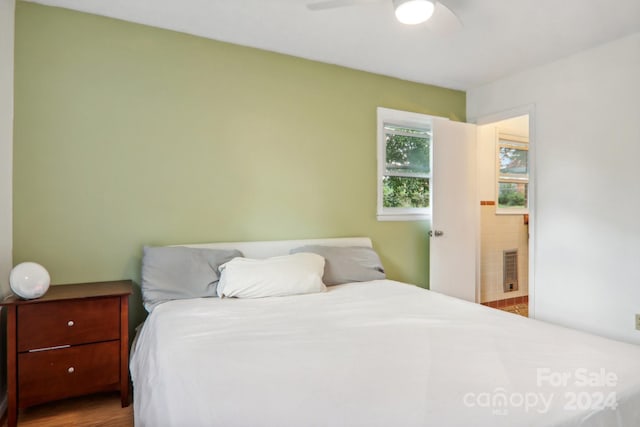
x=72 y=341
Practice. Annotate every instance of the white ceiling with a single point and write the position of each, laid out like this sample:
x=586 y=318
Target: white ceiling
x=499 y=37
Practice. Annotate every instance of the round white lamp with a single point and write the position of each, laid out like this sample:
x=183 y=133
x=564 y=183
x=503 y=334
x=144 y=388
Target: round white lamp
x=29 y=280
x=412 y=12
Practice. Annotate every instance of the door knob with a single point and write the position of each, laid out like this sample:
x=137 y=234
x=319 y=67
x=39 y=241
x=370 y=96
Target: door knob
x=435 y=233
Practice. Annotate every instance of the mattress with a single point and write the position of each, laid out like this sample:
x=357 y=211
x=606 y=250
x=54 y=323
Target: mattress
x=379 y=353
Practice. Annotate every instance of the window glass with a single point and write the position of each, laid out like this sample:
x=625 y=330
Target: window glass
x=404 y=165
x=513 y=174
x=402 y=192
x=407 y=151
x=513 y=160
x=512 y=195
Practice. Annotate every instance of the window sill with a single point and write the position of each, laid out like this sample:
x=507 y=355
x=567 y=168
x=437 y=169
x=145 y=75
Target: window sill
x=512 y=211
x=404 y=217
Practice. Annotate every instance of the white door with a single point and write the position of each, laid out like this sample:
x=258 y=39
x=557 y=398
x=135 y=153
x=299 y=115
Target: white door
x=455 y=211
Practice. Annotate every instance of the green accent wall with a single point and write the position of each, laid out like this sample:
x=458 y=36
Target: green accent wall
x=128 y=135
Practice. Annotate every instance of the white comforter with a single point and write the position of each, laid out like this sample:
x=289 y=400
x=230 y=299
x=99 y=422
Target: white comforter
x=377 y=353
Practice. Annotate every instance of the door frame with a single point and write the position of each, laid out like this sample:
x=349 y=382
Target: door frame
x=529 y=110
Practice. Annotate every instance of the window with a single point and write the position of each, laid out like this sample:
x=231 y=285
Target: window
x=404 y=165
x=513 y=174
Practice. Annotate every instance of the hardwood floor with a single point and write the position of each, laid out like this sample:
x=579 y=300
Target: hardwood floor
x=100 y=410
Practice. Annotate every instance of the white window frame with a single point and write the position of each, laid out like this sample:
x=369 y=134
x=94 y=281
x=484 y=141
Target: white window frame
x=521 y=143
x=409 y=120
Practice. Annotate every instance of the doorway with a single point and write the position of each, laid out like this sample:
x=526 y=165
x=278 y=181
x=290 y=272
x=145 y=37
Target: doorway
x=504 y=182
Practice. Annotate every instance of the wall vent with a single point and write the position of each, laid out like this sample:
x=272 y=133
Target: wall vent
x=510 y=270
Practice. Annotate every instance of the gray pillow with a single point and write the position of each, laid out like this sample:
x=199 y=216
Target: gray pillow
x=178 y=272
x=347 y=264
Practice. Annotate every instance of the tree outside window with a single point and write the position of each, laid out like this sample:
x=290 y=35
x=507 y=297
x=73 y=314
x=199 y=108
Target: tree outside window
x=513 y=174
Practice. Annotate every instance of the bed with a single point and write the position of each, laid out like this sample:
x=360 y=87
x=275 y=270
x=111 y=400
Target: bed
x=372 y=353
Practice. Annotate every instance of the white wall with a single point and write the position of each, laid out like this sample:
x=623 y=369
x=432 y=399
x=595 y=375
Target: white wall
x=7 y=14
x=499 y=233
x=587 y=174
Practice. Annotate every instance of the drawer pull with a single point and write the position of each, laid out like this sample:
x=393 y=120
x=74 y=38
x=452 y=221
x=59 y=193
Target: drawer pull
x=70 y=323
x=71 y=370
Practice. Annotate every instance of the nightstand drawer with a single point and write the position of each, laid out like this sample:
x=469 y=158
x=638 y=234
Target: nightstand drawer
x=68 y=322
x=56 y=374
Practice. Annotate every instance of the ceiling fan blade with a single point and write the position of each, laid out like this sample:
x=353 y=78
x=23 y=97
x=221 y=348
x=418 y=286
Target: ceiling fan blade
x=444 y=21
x=334 y=4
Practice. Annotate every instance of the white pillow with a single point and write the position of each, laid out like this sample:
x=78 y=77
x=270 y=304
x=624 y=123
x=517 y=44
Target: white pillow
x=294 y=274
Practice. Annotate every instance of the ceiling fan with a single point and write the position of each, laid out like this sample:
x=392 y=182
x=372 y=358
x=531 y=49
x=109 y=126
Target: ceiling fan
x=411 y=12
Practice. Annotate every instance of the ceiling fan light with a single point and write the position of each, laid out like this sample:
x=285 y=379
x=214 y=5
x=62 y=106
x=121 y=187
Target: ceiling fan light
x=412 y=12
